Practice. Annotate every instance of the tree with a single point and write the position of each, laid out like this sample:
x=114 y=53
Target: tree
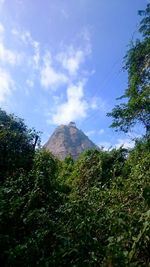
x=29 y=229
x=137 y=63
x=17 y=145
x=97 y=167
x=109 y=225
x=66 y=167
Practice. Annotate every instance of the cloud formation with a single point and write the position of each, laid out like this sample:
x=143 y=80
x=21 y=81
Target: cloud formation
x=8 y=56
x=105 y=145
x=27 y=40
x=61 y=73
x=125 y=143
x=71 y=59
x=50 y=77
x=6 y=85
x=74 y=108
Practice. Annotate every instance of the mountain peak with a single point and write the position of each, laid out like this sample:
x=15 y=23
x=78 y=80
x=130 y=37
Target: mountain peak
x=68 y=140
x=72 y=124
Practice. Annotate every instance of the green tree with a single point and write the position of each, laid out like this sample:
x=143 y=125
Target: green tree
x=30 y=227
x=136 y=108
x=109 y=226
x=66 y=168
x=97 y=167
x=17 y=145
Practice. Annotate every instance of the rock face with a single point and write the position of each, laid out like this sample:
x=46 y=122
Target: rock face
x=68 y=140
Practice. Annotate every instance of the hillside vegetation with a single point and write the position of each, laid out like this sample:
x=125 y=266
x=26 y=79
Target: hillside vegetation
x=94 y=211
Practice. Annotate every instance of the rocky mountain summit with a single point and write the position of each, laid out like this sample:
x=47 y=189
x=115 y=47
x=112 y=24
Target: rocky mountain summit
x=68 y=140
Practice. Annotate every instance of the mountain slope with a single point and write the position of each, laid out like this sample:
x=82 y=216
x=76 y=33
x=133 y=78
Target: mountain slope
x=68 y=140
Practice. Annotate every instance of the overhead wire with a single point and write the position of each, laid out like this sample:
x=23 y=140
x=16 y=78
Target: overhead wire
x=106 y=81
x=108 y=77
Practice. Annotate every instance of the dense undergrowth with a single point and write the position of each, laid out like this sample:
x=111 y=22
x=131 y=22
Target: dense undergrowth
x=92 y=212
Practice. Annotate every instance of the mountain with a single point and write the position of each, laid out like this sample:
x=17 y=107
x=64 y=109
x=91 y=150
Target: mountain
x=68 y=140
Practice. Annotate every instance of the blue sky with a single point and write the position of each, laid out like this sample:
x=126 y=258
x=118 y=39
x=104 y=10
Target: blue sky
x=61 y=61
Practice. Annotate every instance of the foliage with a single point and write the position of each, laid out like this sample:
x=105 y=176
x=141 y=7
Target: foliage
x=29 y=215
x=66 y=168
x=17 y=145
x=109 y=226
x=103 y=220
x=137 y=107
x=97 y=167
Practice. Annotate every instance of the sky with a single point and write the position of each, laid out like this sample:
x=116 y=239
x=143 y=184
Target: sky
x=62 y=60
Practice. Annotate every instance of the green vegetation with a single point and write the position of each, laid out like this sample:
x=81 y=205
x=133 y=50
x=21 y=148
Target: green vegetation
x=17 y=145
x=92 y=212
x=136 y=108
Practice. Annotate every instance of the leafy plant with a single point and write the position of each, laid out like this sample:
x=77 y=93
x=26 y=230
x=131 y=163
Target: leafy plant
x=136 y=108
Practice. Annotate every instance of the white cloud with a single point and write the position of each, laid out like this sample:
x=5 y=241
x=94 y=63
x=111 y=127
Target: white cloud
x=105 y=145
x=59 y=70
x=53 y=72
x=74 y=108
x=49 y=76
x=36 y=56
x=27 y=39
x=6 y=85
x=71 y=59
x=24 y=36
x=8 y=56
x=126 y=143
